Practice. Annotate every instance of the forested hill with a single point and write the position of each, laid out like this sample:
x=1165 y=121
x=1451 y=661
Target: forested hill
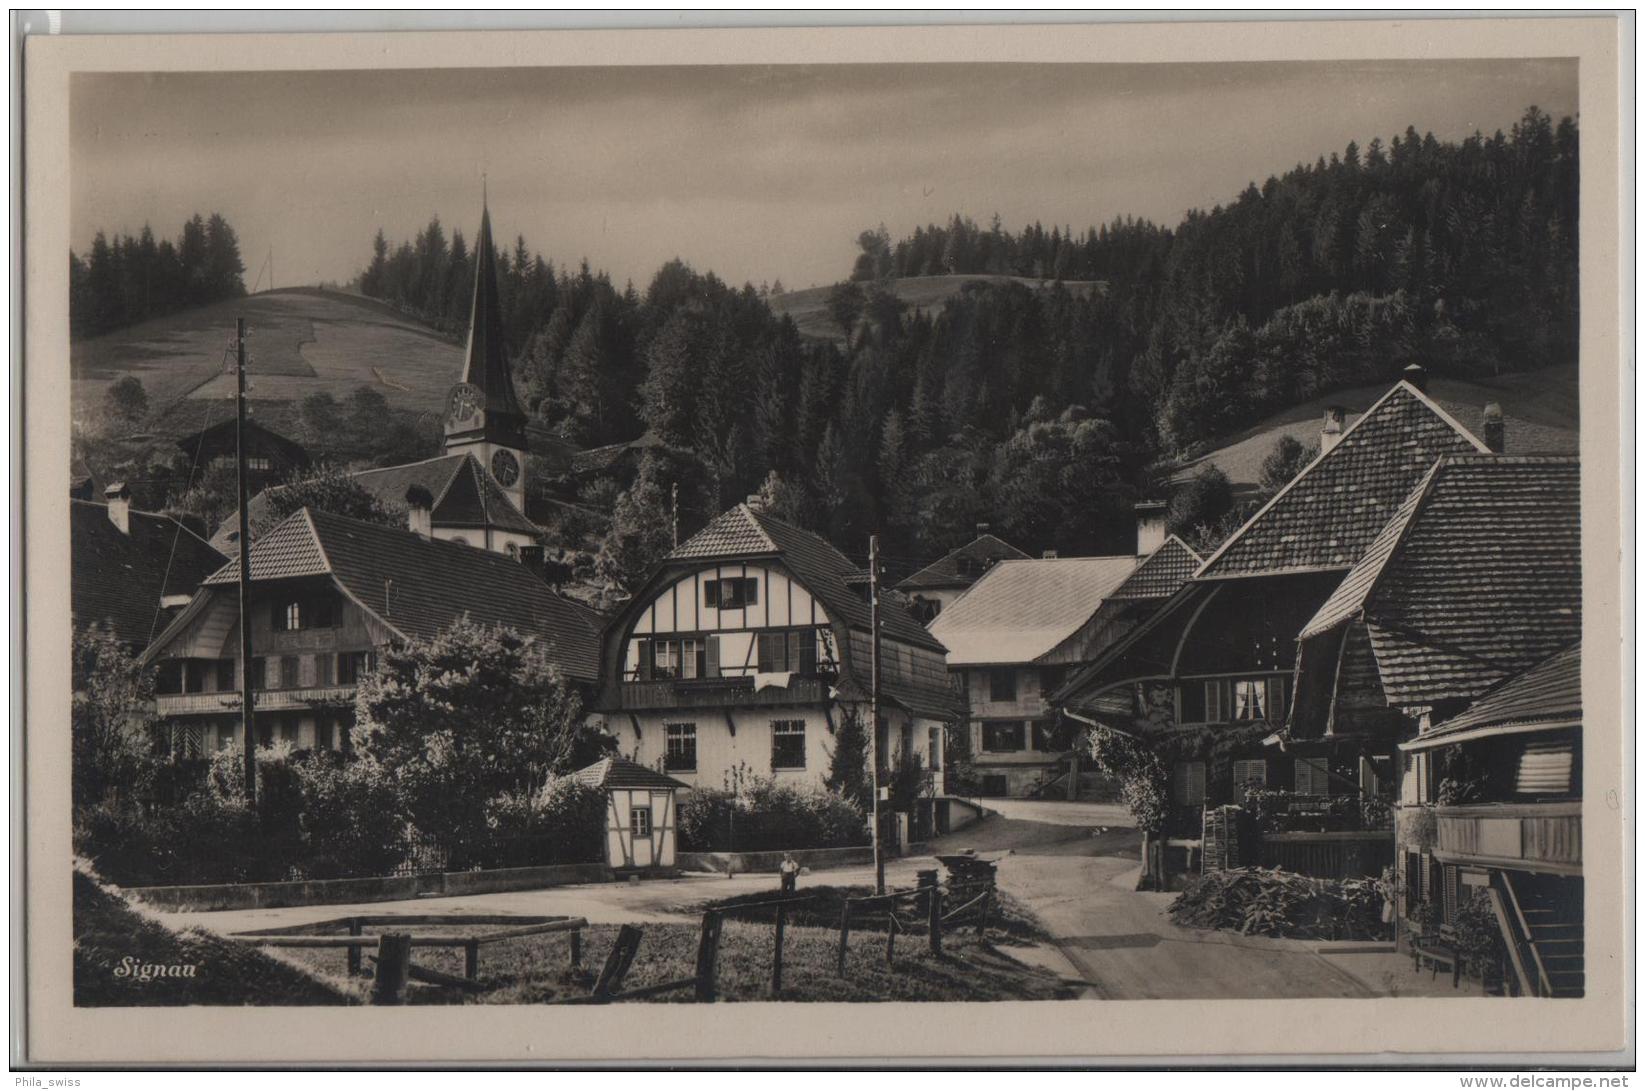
x=1044 y=411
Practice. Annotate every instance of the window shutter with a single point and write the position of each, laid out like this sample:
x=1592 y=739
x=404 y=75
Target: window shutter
x=1277 y=709
x=711 y=594
x=1188 y=782
x=1545 y=768
x=1450 y=892
x=1311 y=778
x=808 y=652
x=767 y=652
x=711 y=657
x=1213 y=703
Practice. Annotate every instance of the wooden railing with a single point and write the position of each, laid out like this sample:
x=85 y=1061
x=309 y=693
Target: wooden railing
x=1533 y=836
x=1343 y=854
x=264 y=700
x=719 y=692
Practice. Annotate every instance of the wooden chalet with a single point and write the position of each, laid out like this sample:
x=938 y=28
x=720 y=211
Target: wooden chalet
x=1208 y=676
x=1447 y=640
x=942 y=581
x=747 y=646
x=270 y=457
x=327 y=593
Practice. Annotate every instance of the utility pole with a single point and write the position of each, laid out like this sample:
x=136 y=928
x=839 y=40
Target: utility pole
x=271 y=268
x=674 y=507
x=248 y=729
x=874 y=702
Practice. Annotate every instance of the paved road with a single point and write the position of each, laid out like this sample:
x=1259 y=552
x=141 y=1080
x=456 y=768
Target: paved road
x=1081 y=884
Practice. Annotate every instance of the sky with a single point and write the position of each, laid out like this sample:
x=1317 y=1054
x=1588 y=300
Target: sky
x=756 y=173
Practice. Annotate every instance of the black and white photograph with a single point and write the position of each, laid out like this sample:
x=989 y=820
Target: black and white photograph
x=590 y=535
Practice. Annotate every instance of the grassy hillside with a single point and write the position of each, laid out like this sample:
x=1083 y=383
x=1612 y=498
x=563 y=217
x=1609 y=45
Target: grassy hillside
x=123 y=957
x=1539 y=410
x=809 y=306
x=301 y=341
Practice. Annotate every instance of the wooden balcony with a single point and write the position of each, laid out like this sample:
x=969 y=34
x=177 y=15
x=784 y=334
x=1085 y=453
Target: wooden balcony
x=1545 y=837
x=265 y=700
x=719 y=693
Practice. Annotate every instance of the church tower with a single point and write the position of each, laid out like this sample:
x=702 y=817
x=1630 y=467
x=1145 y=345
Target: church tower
x=483 y=416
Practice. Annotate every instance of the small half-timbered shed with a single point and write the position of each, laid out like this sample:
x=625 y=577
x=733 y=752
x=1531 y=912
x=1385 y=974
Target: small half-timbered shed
x=640 y=810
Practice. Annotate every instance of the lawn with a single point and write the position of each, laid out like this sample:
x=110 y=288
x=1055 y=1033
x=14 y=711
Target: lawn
x=535 y=969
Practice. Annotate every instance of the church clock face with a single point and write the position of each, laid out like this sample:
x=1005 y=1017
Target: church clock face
x=505 y=468
x=464 y=404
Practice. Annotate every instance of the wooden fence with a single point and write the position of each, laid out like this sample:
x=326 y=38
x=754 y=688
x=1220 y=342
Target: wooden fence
x=1346 y=854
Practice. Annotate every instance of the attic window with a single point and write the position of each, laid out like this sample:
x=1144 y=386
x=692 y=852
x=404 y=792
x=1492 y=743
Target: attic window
x=731 y=594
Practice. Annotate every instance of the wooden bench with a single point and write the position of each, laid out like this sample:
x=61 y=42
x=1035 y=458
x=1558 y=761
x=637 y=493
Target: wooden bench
x=1439 y=950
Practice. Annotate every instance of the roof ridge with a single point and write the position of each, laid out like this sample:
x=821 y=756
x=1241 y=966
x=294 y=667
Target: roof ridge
x=1340 y=445
x=408 y=465
x=1411 y=509
x=445 y=490
x=319 y=542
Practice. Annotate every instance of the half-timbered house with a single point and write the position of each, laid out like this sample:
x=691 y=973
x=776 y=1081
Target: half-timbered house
x=748 y=646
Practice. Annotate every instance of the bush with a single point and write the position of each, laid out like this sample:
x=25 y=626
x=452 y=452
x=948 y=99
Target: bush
x=1271 y=902
x=561 y=823
x=350 y=822
x=768 y=817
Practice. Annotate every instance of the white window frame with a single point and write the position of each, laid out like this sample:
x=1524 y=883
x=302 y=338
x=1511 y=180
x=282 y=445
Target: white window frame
x=1249 y=693
x=787 y=729
x=639 y=821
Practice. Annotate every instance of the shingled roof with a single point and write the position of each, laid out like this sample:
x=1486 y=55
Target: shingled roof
x=1476 y=577
x=119 y=579
x=1330 y=512
x=743 y=532
x=964 y=566
x=1022 y=610
x=1544 y=698
x=1160 y=575
x=622 y=773
x=418 y=586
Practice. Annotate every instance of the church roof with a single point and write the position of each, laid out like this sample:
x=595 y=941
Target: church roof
x=486 y=365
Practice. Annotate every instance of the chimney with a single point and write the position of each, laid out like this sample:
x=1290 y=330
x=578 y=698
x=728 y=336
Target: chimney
x=1330 y=429
x=1049 y=555
x=982 y=528
x=1150 y=526
x=1492 y=429
x=420 y=511
x=119 y=502
x=1417 y=376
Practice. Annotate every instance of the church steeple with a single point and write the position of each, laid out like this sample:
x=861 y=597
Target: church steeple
x=483 y=415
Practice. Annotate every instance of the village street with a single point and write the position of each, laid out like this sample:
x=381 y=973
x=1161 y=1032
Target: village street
x=1073 y=865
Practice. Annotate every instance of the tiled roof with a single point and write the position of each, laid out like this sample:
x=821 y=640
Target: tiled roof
x=1548 y=693
x=1478 y=576
x=1160 y=574
x=734 y=533
x=419 y=586
x=964 y=566
x=119 y=579
x=1020 y=610
x=622 y=773
x=829 y=574
x=1333 y=509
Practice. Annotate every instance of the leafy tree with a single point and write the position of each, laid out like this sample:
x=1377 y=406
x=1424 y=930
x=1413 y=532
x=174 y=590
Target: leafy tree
x=126 y=399
x=642 y=531
x=331 y=489
x=467 y=716
x=322 y=417
x=1287 y=459
x=1204 y=501
x=111 y=716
